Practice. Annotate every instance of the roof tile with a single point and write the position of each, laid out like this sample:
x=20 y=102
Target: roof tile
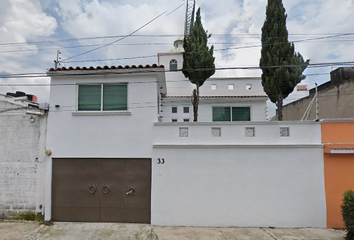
x=105 y=67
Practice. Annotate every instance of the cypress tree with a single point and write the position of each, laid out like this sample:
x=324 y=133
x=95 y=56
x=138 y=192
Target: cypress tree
x=281 y=66
x=198 y=60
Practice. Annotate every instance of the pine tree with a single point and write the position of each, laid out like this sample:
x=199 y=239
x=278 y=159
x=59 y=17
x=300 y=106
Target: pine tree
x=278 y=82
x=198 y=60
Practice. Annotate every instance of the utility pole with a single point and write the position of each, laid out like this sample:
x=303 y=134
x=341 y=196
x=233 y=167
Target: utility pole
x=56 y=62
x=317 y=114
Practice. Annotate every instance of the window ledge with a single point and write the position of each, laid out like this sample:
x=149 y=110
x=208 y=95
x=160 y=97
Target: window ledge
x=101 y=113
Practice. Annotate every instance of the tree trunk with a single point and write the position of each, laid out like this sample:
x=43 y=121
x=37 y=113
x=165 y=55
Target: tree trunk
x=280 y=107
x=195 y=102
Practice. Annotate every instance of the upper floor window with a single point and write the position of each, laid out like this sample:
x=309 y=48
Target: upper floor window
x=228 y=114
x=174 y=109
x=102 y=97
x=230 y=87
x=185 y=109
x=173 y=65
x=248 y=86
x=213 y=86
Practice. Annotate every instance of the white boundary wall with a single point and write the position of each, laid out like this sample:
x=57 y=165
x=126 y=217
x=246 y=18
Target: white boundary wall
x=233 y=180
x=22 y=158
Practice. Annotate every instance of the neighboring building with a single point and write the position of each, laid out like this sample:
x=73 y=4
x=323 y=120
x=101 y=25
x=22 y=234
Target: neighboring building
x=335 y=99
x=338 y=140
x=23 y=131
x=221 y=99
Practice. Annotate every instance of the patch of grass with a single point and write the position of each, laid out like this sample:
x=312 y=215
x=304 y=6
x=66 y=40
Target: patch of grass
x=27 y=216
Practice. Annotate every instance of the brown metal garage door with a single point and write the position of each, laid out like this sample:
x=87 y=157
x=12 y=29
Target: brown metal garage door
x=106 y=190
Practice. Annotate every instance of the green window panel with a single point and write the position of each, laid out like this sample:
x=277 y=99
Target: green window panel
x=221 y=114
x=227 y=114
x=89 y=98
x=115 y=97
x=241 y=114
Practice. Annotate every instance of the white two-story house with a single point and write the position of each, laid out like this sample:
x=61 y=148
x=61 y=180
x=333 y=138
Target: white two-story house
x=122 y=147
x=221 y=99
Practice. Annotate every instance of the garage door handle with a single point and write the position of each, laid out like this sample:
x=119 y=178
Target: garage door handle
x=130 y=191
x=92 y=188
x=106 y=189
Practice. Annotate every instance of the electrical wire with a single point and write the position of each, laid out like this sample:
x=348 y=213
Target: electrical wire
x=141 y=70
x=120 y=39
x=215 y=35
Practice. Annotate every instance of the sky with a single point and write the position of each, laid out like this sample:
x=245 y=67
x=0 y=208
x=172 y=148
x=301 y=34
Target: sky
x=31 y=32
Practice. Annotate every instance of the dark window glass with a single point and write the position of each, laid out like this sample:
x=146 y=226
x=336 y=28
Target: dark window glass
x=89 y=98
x=173 y=65
x=114 y=97
x=241 y=114
x=221 y=114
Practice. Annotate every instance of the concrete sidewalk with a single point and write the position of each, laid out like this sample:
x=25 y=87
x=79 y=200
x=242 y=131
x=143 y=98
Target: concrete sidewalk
x=111 y=231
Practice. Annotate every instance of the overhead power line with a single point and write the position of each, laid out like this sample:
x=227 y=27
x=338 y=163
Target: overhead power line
x=214 y=35
x=120 y=39
x=99 y=72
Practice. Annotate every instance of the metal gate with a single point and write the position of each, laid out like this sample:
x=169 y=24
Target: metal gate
x=101 y=190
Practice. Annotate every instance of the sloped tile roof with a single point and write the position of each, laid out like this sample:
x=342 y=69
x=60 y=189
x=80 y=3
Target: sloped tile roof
x=106 y=68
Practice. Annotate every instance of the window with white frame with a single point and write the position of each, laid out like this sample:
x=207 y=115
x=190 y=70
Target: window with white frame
x=174 y=109
x=173 y=65
x=213 y=86
x=185 y=109
x=103 y=97
x=230 y=87
x=231 y=114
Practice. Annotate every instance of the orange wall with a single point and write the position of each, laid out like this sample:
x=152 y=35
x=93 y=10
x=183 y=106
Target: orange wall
x=338 y=168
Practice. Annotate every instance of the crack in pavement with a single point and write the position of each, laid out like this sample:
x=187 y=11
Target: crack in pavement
x=222 y=234
x=269 y=234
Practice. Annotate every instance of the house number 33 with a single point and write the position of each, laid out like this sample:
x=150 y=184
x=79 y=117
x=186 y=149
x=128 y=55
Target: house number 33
x=160 y=161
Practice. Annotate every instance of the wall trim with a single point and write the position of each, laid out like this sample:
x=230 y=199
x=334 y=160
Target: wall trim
x=238 y=146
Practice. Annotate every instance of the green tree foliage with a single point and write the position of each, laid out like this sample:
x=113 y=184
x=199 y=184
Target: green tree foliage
x=348 y=213
x=278 y=82
x=198 y=60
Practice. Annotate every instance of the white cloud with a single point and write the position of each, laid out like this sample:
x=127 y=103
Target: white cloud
x=22 y=21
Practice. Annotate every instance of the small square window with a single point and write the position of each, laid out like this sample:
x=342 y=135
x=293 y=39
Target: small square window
x=185 y=109
x=186 y=120
x=183 y=132
x=216 y=132
x=174 y=119
x=248 y=86
x=174 y=109
x=213 y=86
x=230 y=87
x=284 y=132
x=250 y=131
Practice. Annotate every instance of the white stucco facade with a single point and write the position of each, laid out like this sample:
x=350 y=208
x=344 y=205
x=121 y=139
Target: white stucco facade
x=237 y=180
x=102 y=134
x=215 y=92
x=245 y=174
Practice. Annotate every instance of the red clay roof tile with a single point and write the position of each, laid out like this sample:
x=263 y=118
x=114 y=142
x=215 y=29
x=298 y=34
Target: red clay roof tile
x=105 y=67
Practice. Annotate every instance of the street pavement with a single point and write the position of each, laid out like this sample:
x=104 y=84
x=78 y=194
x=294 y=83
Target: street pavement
x=22 y=230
